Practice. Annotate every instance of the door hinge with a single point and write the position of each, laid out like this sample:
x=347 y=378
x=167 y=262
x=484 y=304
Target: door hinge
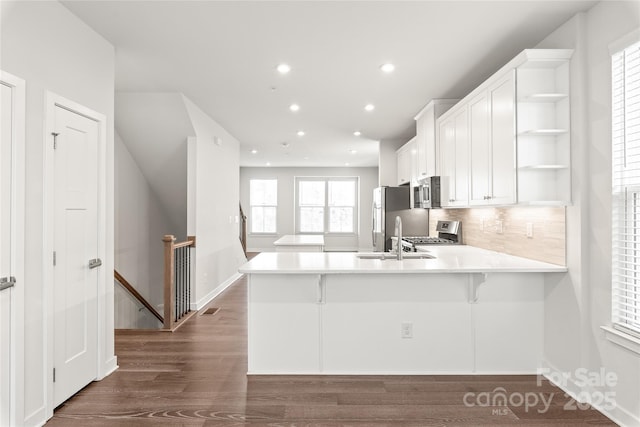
x=54 y=375
x=54 y=258
x=55 y=139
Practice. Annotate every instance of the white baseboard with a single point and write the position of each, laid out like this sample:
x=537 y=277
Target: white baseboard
x=37 y=418
x=110 y=367
x=618 y=415
x=214 y=293
x=269 y=249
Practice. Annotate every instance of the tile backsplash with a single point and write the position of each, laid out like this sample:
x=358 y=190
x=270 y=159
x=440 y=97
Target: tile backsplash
x=481 y=228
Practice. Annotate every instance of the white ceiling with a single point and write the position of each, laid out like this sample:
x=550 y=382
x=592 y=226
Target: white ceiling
x=222 y=55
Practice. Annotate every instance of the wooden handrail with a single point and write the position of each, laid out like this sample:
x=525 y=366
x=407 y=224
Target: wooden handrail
x=169 y=281
x=125 y=284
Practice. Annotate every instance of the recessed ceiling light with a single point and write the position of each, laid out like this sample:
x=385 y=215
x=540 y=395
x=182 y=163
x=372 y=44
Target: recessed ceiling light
x=300 y=133
x=294 y=107
x=357 y=133
x=388 y=67
x=353 y=151
x=369 y=107
x=283 y=68
x=346 y=164
x=268 y=163
x=254 y=151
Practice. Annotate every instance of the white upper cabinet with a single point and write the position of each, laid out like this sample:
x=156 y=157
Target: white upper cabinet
x=453 y=135
x=502 y=179
x=426 y=136
x=480 y=149
x=406 y=157
x=510 y=137
x=492 y=139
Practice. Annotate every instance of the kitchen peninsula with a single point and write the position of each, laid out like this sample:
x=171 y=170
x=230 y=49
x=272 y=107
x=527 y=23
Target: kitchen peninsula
x=467 y=310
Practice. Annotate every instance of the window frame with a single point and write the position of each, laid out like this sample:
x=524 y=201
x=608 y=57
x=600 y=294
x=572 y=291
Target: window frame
x=326 y=206
x=251 y=206
x=625 y=238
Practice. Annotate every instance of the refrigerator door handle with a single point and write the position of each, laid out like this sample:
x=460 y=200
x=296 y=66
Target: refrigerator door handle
x=373 y=224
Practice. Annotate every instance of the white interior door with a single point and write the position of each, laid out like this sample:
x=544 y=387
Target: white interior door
x=6 y=294
x=75 y=290
x=12 y=120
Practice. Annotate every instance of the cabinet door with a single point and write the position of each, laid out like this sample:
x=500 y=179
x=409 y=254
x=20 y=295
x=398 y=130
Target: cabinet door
x=425 y=146
x=461 y=159
x=503 y=141
x=403 y=165
x=446 y=169
x=284 y=325
x=480 y=148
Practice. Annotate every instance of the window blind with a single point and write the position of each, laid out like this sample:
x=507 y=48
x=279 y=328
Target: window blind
x=626 y=189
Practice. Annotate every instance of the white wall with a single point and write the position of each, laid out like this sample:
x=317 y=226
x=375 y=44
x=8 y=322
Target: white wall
x=286 y=210
x=577 y=306
x=140 y=224
x=51 y=49
x=212 y=199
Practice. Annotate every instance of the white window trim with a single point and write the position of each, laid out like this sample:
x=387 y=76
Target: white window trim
x=613 y=332
x=250 y=231
x=356 y=213
x=622 y=339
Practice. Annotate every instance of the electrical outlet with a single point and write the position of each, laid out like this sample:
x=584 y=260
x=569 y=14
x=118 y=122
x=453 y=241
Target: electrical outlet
x=499 y=228
x=406 y=330
x=530 y=230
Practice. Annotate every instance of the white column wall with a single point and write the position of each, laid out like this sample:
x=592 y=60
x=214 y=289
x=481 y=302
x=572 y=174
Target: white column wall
x=52 y=50
x=576 y=308
x=212 y=200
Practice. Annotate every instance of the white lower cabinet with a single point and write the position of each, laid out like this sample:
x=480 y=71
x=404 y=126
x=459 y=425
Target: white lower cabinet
x=508 y=324
x=283 y=324
x=362 y=325
x=354 y=323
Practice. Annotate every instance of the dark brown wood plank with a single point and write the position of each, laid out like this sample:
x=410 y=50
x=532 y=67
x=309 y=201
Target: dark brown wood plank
x=196 y=376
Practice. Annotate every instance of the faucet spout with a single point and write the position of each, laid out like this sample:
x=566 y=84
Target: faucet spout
x=399 y=237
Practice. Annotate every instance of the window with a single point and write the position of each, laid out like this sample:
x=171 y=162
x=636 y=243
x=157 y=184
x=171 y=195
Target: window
x=626 y=190
x=263 y=201
x=326 y=205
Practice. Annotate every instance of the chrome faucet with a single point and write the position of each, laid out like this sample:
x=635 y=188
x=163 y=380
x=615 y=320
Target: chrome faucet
x=399 y=237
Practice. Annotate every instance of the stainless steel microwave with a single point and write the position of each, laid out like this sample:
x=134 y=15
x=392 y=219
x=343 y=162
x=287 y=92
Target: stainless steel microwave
x=427 y=193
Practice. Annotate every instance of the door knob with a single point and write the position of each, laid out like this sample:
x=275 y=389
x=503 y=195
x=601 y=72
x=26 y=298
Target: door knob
x=93 y=263
x=7 y=282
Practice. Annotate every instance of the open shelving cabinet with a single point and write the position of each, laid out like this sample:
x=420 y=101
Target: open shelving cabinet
x=543 y=124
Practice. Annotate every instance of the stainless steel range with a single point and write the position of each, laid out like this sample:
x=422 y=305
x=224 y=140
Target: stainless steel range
x=449 y=233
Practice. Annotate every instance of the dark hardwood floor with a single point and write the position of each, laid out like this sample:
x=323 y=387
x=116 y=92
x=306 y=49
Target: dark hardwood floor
x=196 y=376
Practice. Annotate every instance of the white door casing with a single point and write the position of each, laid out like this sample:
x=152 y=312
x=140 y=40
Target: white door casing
x=12 y=134
x=75 y=229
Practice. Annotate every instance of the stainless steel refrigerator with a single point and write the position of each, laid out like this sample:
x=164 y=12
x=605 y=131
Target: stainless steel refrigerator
x=389 y=202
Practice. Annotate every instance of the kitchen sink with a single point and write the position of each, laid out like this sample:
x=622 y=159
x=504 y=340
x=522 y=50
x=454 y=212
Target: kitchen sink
x=391 y=256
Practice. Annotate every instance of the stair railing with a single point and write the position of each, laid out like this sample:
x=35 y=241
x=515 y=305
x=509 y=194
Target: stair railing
x=125 y=284
x=177 y=281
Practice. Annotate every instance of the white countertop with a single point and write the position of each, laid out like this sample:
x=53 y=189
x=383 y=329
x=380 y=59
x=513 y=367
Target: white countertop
x=449 y=259
x=300 y=240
